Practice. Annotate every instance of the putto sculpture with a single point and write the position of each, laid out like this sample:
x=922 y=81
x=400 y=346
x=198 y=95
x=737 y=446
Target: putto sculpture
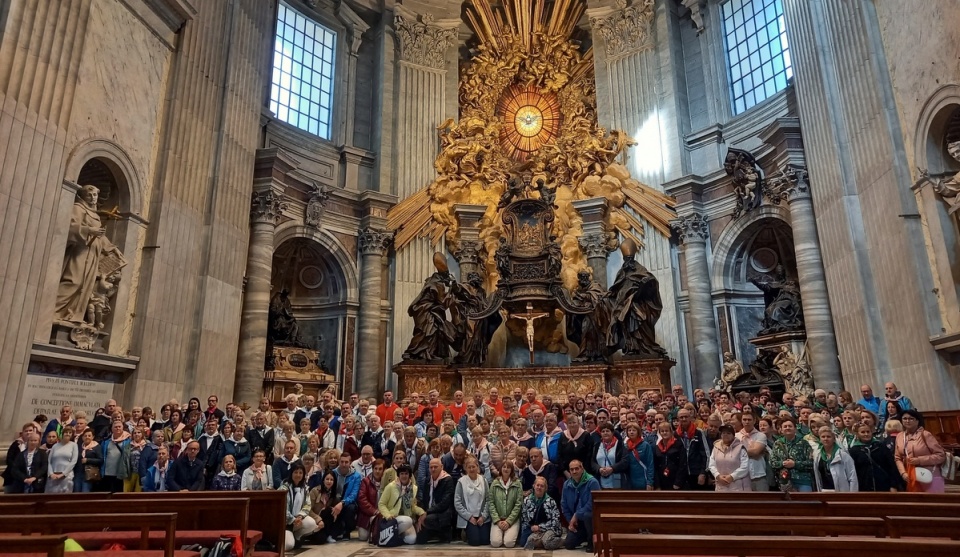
x=747 y=180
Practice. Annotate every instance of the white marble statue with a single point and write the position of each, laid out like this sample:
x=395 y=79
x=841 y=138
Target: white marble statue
x=89 y=256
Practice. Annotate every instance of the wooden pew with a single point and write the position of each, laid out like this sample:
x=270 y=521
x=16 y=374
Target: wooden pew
x=56 y=524
x=199 y=520
x=855 y=508
x=782 y=546
x=922 y=527
x=51 y=546
x=865 y=496
x=267 y=509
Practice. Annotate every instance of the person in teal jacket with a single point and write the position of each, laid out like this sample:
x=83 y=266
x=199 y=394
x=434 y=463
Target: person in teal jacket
x=640 y=457
x=576 y=502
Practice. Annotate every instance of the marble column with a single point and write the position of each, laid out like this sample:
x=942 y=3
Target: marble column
x=693 y=232
x=373 y=244
x=593 y=242
x=265 y=210
x=470 y=248
x=821 y=337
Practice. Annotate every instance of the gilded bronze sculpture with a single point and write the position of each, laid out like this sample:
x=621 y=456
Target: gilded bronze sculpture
x=589 y=331
x=433 y=334
x=473 y=334
x=636 y=307
x=781 y=296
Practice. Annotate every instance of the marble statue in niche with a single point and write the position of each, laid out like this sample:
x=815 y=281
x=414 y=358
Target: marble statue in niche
x=636 y=308
x=282 y=327
x=91 y=267
x=781 y=296
x=947 y=187
x=795 y=371
x=433 y=334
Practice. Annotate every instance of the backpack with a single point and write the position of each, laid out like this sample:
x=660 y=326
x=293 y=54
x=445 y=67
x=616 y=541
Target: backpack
x=226 y=546
x=389 y=534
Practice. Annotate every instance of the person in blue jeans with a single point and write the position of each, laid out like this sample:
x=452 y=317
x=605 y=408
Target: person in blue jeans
x=576 y=502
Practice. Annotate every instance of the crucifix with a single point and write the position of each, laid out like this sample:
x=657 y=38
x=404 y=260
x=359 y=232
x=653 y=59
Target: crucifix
x=529 y=317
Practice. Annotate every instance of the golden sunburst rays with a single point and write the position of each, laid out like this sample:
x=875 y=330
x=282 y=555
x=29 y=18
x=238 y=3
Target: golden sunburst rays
x=523 y=19
x=531 y=119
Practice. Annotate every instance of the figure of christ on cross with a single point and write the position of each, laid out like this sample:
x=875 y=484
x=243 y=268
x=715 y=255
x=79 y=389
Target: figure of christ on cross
x=529 y=317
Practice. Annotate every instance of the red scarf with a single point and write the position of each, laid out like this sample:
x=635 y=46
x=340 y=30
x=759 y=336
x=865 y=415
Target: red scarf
x=610 y=445
x=665 y=448
x=691 y=431
x=632 y=444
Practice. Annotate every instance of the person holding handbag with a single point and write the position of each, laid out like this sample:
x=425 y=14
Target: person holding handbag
x=919 y=456
x=367 y=500
x=86 y=475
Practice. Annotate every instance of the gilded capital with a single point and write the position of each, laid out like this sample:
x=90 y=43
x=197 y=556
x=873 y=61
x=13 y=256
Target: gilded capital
x=627 y=29
x=594 y=245
x=421 y=41
x=374 y=241
x=691 y=228
x=266 y=207
x=468 y=252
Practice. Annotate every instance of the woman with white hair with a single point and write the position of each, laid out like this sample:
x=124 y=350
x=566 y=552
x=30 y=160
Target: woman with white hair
x=833 y=468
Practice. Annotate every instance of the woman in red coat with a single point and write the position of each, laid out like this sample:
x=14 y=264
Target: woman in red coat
x=367 y=499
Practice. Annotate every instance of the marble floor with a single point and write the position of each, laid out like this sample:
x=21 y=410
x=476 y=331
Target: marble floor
x=361 y=549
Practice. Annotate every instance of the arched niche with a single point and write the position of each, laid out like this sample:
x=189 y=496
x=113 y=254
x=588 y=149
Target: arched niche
x=323 y=292
x=104 y=164
x=751 y=246
x=938 y=125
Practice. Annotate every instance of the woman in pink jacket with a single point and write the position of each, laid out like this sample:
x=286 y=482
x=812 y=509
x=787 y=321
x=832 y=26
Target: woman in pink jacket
x=729 y=462
x=918 y=448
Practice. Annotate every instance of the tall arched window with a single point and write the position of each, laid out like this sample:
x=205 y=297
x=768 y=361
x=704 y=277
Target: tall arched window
x=758 y=59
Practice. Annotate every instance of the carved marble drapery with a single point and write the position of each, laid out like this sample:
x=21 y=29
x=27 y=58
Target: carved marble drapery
x=626 y=30
x=373 y=244
x=267 y=205
x=693 y=231
x=794 y=186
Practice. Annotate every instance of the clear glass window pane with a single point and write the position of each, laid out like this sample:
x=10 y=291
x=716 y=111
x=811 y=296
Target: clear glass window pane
x=303 y=65
x=758 y=59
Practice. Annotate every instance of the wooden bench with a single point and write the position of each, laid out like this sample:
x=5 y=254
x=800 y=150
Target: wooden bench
x=865 y=496
x=267 y=515
x=267 y=509
x=855 y=508
x=126 y=525
x=781 y=546
x=50 y=546
x=198 y=520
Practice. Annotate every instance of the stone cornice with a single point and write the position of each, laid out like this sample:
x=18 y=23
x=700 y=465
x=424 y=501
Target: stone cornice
x=625 y=30
x=174 y=13
x=355 y=25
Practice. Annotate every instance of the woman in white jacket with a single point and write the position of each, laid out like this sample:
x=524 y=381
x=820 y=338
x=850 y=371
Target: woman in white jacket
x=729 y=462
x=833 y=468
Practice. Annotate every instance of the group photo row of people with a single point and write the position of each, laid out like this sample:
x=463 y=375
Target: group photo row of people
x=504 y=471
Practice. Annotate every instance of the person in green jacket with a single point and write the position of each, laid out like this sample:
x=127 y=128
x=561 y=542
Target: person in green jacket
x=792 y=459
x=506 y=502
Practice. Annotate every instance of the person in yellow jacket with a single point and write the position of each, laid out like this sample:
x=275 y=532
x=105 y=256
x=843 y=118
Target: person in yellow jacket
x=399 y=501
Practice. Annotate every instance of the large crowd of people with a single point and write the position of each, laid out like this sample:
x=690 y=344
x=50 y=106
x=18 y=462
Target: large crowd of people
x=506 y=471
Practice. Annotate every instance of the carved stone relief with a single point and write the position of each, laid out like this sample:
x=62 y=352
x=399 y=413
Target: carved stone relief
x=627 y=30
x=421 y=41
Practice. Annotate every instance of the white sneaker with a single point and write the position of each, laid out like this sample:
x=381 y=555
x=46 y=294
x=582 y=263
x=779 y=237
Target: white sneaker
x=331 y=540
